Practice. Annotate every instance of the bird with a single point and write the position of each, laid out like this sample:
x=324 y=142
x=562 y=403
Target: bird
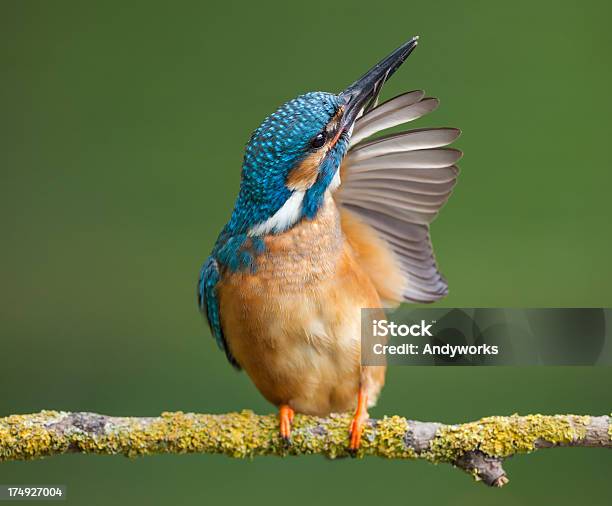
x=330 y=217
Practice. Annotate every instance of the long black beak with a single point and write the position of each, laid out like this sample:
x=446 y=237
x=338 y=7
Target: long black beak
x=362 y=94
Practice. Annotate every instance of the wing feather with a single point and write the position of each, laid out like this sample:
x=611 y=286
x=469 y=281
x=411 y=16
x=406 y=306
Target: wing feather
x=410 y=176
x=397 y=184
x=421 y=159
x=406 y=141
x=374 y=121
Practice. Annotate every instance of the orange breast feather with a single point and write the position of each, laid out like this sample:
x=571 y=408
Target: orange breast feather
x=294 y=323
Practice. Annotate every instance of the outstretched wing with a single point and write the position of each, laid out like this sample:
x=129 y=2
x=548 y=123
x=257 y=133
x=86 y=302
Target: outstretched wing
x=397 y=184
x=208 y=303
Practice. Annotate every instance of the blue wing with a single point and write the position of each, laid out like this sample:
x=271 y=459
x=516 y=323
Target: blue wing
x=209 y=304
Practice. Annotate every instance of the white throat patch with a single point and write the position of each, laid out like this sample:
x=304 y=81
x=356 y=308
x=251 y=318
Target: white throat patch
x=333 y=186
x=284 y=218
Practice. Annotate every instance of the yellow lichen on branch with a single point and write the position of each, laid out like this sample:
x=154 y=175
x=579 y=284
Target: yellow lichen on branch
x=477 y=447
x=500 y=436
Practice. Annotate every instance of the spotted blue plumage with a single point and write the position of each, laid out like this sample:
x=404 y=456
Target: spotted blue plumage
x=280 y=143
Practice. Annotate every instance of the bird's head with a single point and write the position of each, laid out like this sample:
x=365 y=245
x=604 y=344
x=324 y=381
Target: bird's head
x=294 y=156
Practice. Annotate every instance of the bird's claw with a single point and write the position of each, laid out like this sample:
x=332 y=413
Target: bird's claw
x=355 y=433
x=358 y=422
x=286 y=415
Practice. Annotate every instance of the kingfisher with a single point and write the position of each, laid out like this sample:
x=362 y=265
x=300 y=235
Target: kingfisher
x=330 y=218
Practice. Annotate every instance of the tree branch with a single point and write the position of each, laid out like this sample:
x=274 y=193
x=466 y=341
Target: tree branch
x=478 y=447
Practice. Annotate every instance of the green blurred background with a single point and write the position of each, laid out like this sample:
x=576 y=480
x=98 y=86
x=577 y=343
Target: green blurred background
x=122 y=127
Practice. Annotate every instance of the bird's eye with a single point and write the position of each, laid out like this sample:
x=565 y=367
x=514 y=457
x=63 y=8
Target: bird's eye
x=319 y=140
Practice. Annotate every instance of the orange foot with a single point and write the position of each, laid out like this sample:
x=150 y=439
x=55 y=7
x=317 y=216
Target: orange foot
x=361 y=415
x=286 y=414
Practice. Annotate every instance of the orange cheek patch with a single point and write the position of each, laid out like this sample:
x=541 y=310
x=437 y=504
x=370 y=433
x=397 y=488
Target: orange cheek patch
x=304 y=175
